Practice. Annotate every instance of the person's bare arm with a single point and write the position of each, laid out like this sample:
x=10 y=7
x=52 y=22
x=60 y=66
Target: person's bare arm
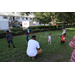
x=60 y=35
x=38 y=48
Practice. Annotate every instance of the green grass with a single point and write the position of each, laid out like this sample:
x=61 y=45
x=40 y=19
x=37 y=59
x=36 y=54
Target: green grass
x=51 y=53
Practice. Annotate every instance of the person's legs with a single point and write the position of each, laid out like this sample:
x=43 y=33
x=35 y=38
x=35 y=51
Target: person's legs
x=13 y=44
x=8 y=44
x=38 y=52
x=61 y=42
x=50 y=41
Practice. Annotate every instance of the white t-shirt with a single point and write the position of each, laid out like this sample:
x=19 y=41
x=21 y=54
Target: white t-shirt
x=64 y=30
x=31 y=49
x=49 y=37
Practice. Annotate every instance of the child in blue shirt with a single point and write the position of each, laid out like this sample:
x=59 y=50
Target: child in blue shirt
x=28 y=31
x=27 y=38
x=9 y=38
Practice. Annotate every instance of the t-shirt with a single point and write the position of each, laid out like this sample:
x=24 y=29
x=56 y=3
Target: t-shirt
x=9 y=37
x=49 y=37
x=32 y=47
x=63 y=38
x=28 y=30
x=64 y=30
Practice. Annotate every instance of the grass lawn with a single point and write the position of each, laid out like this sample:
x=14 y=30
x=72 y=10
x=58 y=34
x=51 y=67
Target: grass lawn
x=51 y=53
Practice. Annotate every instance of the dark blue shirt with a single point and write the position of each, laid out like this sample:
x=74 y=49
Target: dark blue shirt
x=9 y=37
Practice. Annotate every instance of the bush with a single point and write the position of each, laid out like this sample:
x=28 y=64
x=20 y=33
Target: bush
x=24 y=31
x=16 y=29
x=2 y=33
x=18 y=33
x=44 y=28
x=13 y=33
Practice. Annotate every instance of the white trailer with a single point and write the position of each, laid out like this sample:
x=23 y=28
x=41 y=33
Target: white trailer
x=4 y=25
x=26 y=24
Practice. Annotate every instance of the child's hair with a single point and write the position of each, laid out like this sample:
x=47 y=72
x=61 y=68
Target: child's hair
x=65 y=34
x=33 y=36
x=50 y=33
x=7 y=31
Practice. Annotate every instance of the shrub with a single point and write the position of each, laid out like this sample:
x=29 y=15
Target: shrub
x=2 y=33
x=24 y=31
x=18 y=32
x=16 y=29
x=13 y=33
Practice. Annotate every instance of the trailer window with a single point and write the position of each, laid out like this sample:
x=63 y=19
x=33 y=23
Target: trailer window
x=5 y=17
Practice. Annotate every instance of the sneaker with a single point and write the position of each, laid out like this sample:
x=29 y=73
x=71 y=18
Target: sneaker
x=14 y=47
x=30 y=57
x=34 y=57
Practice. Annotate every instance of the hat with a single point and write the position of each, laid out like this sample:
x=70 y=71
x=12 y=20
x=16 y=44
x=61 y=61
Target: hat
x=72 y=43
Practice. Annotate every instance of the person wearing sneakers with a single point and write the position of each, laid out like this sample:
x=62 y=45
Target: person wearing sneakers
x=33 y=48
x=49 y=38
x=63 y=38
x=9 y=38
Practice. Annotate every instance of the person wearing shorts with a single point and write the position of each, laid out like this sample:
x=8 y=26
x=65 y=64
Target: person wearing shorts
x=49 y=38
x=63 y=39
x=27 y=38
x=9 y=38
x=33 y=48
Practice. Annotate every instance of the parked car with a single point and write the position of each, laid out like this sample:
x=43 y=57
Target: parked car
x=16 y=25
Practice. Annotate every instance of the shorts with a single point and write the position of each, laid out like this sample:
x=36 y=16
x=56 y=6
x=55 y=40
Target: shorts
x=62 y=42
x=49 y=40
x=11 y=42
x=63 y=33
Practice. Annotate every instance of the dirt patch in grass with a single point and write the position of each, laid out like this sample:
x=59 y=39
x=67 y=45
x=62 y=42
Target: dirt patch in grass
x=53 y=58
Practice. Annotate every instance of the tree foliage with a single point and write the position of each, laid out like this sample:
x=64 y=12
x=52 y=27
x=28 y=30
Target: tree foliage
x=46 y=17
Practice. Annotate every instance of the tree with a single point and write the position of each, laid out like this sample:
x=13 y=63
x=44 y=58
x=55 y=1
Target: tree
x=23 y=13
x=43 y=17
x=68 y=17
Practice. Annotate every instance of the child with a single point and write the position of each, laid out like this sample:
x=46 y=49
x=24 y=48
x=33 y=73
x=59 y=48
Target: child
x=28 y=31
x=27 y=38
x=49 y=38
x=64 y=31
x=63 y=38
x=9 y=38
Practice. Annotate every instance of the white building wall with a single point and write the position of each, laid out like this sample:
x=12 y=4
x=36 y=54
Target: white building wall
x=20 y=19
x=2 y=19
x=4 y=25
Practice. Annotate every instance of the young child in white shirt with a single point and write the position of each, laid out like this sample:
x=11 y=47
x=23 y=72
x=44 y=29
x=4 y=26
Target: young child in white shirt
x=64 y=31
x=49 y=38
